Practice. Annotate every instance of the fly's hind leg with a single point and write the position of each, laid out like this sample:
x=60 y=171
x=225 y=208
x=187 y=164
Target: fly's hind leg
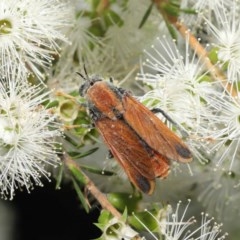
x=109 y=155
x=179 y=127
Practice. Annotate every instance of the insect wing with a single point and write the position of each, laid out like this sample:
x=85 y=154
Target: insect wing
x=105 y=100
x=160 y=165
x=153 y=131
x=127 y=148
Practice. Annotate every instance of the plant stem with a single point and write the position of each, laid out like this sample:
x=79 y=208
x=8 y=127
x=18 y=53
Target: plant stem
x=216 y=73
x=91 y=187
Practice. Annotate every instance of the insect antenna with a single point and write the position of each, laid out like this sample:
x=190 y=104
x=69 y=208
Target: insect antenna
x=85 y=71
x=88 y=81
x=86 y=77
x=81 y=75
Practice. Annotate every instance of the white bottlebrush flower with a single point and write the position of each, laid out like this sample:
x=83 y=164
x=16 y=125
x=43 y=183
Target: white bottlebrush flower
x=222 y=112
x=75 y=55
x=174 y=74
x=206 y=5
x=227 y=33
x=27 y=133
x=125 y=41
x=176 y=226
x=205 y=9
x=178 y=87
x=85 y=49
x=113 y=51
x=29 y=31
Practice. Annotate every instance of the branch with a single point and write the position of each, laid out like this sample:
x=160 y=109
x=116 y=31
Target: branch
x=215 y=72
x=91 y=187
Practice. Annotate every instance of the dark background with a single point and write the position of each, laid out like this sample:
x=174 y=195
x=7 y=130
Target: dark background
x=47 y=213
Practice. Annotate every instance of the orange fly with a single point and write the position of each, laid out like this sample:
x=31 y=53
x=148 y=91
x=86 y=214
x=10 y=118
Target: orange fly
x=138 y=139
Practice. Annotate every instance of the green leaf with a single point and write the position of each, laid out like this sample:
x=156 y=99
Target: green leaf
x=171 y=9
x=104 y=217
x=78 y=175
x=51 y=104
x=80 y=195
x=121 y=201
x=146 y=15
x=171 y=30
x=111 y=17
x=213 y=55
x=98 y=171
x=188 y=10
x=76 y=155
x=144 y=220
x=59 y=177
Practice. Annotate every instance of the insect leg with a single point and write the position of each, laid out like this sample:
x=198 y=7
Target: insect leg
x=179 y=127
x=109 y=155
x=111 y=79
x=159 y=110
x=83 y=104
